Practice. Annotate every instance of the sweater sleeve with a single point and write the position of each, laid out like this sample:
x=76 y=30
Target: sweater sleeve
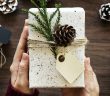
x=12 y=92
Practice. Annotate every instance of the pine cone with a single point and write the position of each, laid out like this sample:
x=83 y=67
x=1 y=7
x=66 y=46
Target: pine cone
x=64 y=35
x=105 y=12
x=8 y=6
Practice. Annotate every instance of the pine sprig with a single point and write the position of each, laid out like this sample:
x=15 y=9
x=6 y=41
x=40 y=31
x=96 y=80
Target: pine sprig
x=40 y=30
x=41 y=25
x=44 y=21
x=40 y=10
x=33 y=2
x=59 y=14
x=52 y=15
x=39 y=21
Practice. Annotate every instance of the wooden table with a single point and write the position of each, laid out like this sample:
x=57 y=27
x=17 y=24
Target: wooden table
x=97 y=31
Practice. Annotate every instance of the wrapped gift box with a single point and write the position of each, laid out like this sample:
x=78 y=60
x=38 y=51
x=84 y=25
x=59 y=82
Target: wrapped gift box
x=42 y=68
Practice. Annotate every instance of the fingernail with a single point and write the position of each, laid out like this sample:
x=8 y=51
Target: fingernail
x=87 y=63
x=88 y=60
x=89 y=67
x=26 y=22
x=25 y=56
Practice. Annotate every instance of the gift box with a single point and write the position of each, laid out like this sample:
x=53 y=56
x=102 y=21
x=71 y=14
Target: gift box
x=47 y=71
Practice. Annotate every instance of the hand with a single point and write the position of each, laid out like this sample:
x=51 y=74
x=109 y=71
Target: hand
x=91 y=84
x=19 y=67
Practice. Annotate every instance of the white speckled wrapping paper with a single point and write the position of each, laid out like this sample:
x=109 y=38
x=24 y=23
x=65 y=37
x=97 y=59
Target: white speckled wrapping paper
x=42 y=67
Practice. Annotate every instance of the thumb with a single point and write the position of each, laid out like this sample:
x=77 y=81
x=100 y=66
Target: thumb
x=88 y=70
x=91 y=83
x=22 y=78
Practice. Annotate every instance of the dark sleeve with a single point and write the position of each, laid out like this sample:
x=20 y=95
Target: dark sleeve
x=12 y=92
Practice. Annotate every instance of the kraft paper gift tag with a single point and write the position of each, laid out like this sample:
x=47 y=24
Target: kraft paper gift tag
x=69 y=66
x=43 y=69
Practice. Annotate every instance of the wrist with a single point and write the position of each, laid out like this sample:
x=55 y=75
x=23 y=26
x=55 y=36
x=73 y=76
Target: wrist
x=11 y=91
x=22 y=90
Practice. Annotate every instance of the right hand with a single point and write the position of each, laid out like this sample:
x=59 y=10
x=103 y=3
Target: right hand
x=91 y=84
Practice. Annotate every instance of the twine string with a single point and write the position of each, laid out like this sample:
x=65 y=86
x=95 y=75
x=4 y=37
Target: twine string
x=41 y=44
x=2 y=58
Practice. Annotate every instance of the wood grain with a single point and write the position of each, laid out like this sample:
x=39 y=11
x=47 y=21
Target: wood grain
x=97 y=31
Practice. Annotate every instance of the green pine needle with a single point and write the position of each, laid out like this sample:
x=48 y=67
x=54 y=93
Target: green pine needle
x=33 y=2
x=52 y=15
x=24 y=10
x=44 y=21
x=58 y=18
x=40 y=30
x=43 y=3
x=59 y=14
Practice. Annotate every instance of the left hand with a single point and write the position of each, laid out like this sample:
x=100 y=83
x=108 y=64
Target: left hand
x=19 y=67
